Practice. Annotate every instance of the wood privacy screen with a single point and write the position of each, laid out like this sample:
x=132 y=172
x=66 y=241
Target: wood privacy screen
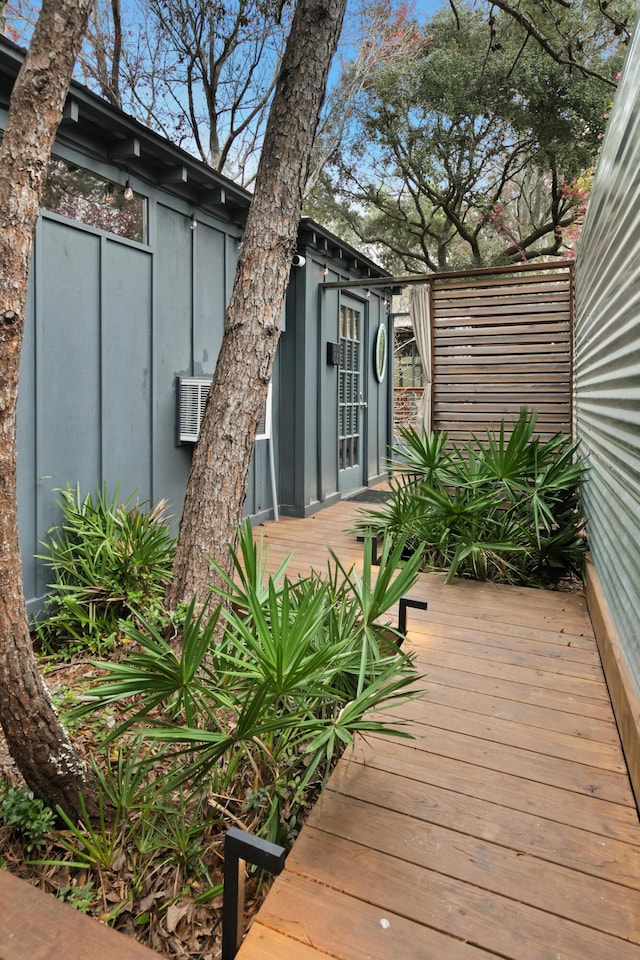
x=502 y=340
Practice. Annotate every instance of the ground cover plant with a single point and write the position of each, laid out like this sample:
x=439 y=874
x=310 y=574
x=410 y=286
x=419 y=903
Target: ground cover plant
x=109 y=560
x=505 y=507
x=229 y=714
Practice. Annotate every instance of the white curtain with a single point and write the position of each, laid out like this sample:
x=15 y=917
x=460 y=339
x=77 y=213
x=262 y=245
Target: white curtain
x=420 y=314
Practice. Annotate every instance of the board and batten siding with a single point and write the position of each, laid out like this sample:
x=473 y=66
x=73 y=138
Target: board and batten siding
x=111 y=323
x=114 y=322
x=308 y=384
x=607 y=365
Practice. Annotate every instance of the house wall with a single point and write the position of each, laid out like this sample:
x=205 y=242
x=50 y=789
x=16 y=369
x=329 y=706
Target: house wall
x=607 y=375
x=309 y=475
x=110 y=325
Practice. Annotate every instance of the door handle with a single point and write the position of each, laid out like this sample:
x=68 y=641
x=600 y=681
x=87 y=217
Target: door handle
x=363 y=402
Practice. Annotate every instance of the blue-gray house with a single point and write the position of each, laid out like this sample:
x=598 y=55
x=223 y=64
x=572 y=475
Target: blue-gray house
x=134 y=259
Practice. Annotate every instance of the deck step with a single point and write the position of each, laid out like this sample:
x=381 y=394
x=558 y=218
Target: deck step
x=36 y=926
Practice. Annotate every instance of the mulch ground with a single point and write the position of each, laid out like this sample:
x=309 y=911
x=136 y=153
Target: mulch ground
x=158 y=906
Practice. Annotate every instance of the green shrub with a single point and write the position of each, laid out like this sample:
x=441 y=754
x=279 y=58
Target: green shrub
x=26 y=816
x=110 y=560
x=80 y=898
x=304 y=665
x=504 y=508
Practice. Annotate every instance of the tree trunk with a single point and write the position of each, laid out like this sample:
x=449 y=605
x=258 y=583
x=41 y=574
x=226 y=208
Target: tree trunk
x=36 y=740
x=217 y=484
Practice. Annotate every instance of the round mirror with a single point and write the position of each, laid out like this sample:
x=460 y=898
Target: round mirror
x=380 y=353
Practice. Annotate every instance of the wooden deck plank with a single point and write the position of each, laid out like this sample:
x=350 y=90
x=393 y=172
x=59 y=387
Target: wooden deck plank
x=503 y=851
x=467 y=681
x=566 y=647
x=496 y=653
x=512 y=733
x=530 y=766
x=505 y=828
x=500 y=608
x=513 y=672
x=439 y=618
x=556 y=618
x=529 y=830
x=265 y=944
x=314 y=913
x=51 y=930
x=542 y=717
x=466 y=911
x=594 y=814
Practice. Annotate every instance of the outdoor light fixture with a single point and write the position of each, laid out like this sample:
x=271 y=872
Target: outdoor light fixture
x=108 y=193
x=325 y=272
x=127 y=193
x=194 y=223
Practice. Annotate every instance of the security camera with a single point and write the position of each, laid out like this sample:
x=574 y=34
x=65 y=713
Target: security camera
x=298 y=260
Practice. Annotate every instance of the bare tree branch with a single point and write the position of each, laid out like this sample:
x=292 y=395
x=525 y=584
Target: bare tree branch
x=533 y=31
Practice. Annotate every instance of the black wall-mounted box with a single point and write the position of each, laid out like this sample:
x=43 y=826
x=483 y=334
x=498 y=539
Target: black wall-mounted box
x=333 y=354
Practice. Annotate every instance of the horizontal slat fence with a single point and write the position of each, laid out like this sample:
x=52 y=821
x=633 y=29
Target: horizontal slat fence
x=501 y=340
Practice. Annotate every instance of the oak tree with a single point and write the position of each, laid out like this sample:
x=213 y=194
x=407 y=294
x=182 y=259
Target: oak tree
x=469 y=152
x=37 y=741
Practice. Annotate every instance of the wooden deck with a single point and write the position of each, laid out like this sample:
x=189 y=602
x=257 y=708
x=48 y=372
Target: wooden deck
x=36 y=926
x=506 y=828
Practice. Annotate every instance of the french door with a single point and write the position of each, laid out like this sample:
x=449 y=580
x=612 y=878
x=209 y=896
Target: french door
x=351 y=400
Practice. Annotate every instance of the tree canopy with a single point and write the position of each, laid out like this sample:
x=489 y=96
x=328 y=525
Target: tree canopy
x=200 y=73
x=203 y=74
x=473 y=150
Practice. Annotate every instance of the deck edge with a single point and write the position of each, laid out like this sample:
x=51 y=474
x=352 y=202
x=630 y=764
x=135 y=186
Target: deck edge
x=624 y=696
x=34 y=924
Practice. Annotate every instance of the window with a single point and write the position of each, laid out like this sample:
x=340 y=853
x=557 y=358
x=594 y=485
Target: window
x=349 y=389
x=81 y=195
x=407 y=366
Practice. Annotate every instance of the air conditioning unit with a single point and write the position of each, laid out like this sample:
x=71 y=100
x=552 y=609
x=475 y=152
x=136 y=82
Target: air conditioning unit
x=192 y=399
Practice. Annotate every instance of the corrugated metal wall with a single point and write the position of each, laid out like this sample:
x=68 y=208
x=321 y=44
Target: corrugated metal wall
x=607 y=361
x=500 y=342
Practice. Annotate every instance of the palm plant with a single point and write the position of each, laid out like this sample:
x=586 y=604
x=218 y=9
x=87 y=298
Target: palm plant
x=423 y=458
x=301 y=668
x=505 y=507
x=109 y=559
x=398 y=518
